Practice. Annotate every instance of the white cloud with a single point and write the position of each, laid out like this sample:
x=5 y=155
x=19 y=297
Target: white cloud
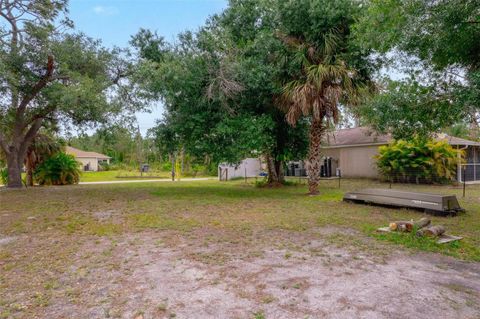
x=105 y=11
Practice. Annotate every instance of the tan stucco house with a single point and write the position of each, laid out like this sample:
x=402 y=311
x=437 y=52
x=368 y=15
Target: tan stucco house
x=89 y=160
x=353 y=151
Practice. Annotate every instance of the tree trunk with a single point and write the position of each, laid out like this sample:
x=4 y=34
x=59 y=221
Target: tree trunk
x=172 y=157
x=280 y=172
x=29 y=164
x=432 y=231
x=29 y=175
x=14 y=166
x=275 y=171
x=314 y=161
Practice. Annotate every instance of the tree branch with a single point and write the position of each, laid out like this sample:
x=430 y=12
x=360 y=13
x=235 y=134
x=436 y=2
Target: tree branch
x=30 y=135
x=38 y=86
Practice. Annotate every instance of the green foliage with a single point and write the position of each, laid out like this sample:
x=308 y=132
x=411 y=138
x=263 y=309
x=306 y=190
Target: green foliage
x=437 y=40
x=54 y=76
x=219 y=87
x=104 y=167
x=259 y=315
x=419 y=160
x=444 y=32
x=460 y=130
x=407 y=108
x=122 y=144
x=60 y=169
x=4 y=175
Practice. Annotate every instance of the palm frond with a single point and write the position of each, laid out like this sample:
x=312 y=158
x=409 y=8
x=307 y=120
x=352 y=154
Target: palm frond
x=327 y=81
x=331 y=41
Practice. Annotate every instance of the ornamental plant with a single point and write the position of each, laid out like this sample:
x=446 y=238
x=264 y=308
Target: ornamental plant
x=418 y=161
x=60 y=169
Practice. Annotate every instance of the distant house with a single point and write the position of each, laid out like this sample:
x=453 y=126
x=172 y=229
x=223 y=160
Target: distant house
x=353 y=151
x=89 y=160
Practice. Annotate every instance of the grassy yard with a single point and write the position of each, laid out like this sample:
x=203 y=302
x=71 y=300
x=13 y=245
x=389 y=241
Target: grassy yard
x=117 y=176
x=121 y=175
x=61 y=241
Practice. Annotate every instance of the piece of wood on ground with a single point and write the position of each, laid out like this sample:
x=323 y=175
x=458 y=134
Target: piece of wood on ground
x=408 y=226
x=384 y=230
x=443 y=239
x=432 y=231
x=423 y=222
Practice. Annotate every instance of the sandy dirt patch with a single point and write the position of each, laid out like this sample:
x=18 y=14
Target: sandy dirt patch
x=158 y=276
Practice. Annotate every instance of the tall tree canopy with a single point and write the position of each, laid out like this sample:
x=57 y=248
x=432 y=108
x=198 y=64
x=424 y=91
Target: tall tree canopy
x=330 y=69
x=122 y=144
x=409 y=110
x=220 y=85
x=49 y=76
x=225 y=87
x=439 y=38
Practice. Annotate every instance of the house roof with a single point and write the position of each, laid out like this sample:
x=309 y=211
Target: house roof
x=452 y=140
x=364 y=136
x=357 y=136
x=83 y=154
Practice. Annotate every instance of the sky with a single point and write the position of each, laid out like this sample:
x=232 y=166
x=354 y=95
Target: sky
x=115 y=21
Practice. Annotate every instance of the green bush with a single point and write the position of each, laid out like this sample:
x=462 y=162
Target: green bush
x=4 y=175
x=419 y=161
x=60 y=169
x=166 y=166
x=104 y=167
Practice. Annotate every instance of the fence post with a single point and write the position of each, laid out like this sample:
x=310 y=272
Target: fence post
x=339 y=177
x=464 y=179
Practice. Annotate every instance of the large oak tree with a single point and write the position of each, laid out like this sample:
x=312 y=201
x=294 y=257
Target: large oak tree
x=48 y=76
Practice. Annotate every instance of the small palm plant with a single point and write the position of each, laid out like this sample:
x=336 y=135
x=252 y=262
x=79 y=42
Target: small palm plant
x=324 y=82
x=43 y=146
x=60 y=169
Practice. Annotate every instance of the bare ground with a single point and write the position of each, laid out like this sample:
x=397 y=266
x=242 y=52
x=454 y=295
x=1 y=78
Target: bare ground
x=315 y=274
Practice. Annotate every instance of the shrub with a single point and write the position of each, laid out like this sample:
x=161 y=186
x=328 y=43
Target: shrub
x=166 y=166
x=104 y=167
x=4 y=176
x=419 y=161
x=60 y=169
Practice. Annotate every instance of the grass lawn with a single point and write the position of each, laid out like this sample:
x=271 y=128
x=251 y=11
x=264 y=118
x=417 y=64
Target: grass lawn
x=121 y=175
x=207 y=248
x=126 y=175
x=115 y=176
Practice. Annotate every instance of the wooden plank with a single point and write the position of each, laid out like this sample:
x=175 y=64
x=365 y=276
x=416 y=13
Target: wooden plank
x=384 y=230
x=443 y=239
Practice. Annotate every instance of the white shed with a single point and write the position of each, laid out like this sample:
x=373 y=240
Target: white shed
x=249 y=167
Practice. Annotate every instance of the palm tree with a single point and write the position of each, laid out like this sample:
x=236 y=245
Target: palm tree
x=324 y=82
x=42 y=147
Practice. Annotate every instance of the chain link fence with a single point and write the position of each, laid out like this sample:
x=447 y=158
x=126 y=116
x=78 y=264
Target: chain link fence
x=419 y=176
